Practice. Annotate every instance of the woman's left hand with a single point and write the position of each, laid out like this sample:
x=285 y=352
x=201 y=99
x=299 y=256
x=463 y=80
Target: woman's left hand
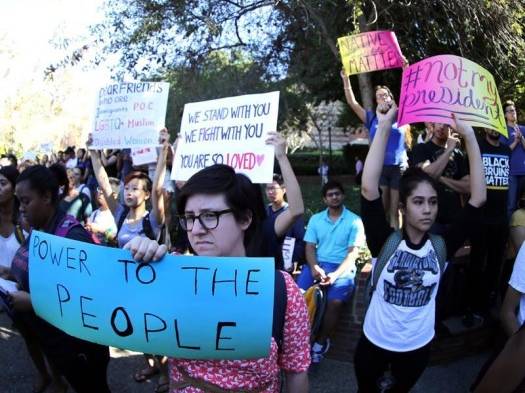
x=145 y=250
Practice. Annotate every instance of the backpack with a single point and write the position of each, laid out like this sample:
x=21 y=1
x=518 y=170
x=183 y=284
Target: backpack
x=390 y=247
x=146 y=226
x=315 y=298
x=280 y=299
x=85 y=202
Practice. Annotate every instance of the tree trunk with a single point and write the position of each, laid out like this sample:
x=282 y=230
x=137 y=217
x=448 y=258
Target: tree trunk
x=365 y=82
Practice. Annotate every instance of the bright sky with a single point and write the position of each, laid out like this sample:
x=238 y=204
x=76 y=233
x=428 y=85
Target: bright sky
x=26 y=29
x=27 y=26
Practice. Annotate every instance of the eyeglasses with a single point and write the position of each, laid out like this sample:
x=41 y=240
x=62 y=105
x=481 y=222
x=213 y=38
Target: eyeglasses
x=208 y=220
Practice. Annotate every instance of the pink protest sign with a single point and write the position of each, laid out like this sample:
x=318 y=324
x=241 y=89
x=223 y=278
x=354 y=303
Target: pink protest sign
x=371 y=51
x=435 y=87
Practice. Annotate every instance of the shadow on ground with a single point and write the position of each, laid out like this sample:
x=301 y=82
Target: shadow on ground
x=330 y=377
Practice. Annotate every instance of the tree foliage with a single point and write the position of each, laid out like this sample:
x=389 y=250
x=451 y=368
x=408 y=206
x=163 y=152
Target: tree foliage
x=292 y=43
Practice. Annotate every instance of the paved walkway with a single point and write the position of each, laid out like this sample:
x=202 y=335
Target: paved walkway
x=331 y=377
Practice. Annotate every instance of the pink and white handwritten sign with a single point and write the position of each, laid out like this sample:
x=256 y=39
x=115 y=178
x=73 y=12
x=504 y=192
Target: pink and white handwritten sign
x=370 y=51
x=229 y=131
x=435 y=87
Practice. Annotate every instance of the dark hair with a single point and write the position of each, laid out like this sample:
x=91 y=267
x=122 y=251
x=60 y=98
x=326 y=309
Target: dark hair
x=242 y=196
x=384 y=88
x=508 y=103
x=42 y=180
x=278 y=179
x=10 y=173
x=11 y=157
x=141 y=176
x=60 y=174
x=410 y=180
x=331 y=184
x=79 y=168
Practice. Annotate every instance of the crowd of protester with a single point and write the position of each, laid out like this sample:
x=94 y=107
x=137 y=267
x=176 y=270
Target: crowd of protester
x=420 y=204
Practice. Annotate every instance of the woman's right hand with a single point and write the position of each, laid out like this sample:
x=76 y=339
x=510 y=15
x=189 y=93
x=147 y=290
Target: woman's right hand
x=146 y=250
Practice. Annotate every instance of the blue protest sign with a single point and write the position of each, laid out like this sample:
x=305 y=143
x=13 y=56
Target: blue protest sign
x=182 y=306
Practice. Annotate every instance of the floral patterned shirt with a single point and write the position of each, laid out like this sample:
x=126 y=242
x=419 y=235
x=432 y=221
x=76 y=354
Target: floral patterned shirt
x=253 y=374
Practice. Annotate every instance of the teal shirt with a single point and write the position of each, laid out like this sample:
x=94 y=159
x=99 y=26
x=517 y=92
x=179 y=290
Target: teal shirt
x=334 y=238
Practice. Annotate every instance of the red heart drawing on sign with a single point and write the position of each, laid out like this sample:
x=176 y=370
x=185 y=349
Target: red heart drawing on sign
x=259 y=158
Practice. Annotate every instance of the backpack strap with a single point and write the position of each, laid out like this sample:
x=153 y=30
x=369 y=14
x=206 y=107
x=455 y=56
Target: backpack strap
x=391 y=244
x=438 y=243
x=122 y=217
x=147 y=228
x=280 y=300
x=19 y=234
x=85 y=202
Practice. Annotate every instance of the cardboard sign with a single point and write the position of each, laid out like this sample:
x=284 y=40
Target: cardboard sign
x=229 y=131
x=370 y=51
x=143 y=156
x=182 y=306
x=435 y=87
x=129 y=115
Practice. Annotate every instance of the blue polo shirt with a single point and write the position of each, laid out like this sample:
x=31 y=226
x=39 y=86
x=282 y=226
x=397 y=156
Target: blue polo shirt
x=334 y=238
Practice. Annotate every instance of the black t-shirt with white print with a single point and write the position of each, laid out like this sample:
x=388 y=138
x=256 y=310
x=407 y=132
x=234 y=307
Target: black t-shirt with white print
x=496 y=164
x=401 y=313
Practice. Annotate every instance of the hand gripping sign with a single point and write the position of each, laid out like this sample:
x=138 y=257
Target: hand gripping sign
x=433 y=88
x=182 y=306
x=370 y=51
x=229 y=131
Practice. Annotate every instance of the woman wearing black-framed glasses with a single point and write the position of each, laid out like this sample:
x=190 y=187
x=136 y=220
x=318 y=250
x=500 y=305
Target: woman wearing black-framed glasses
x=222 y=213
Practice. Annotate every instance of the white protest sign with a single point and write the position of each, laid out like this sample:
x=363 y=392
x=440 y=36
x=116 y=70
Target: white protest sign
x=143 y=156
x=229 y=131
x=46 y=148
x=288 y=247
x=129 y=115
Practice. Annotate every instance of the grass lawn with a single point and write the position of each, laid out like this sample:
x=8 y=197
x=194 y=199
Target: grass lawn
x=311 y=190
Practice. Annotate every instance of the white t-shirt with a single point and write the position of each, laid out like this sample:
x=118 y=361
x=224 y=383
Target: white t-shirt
x=517 y=281
x=71 y=163
x=104 y=219
x=402 y=310
x=8 y=248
